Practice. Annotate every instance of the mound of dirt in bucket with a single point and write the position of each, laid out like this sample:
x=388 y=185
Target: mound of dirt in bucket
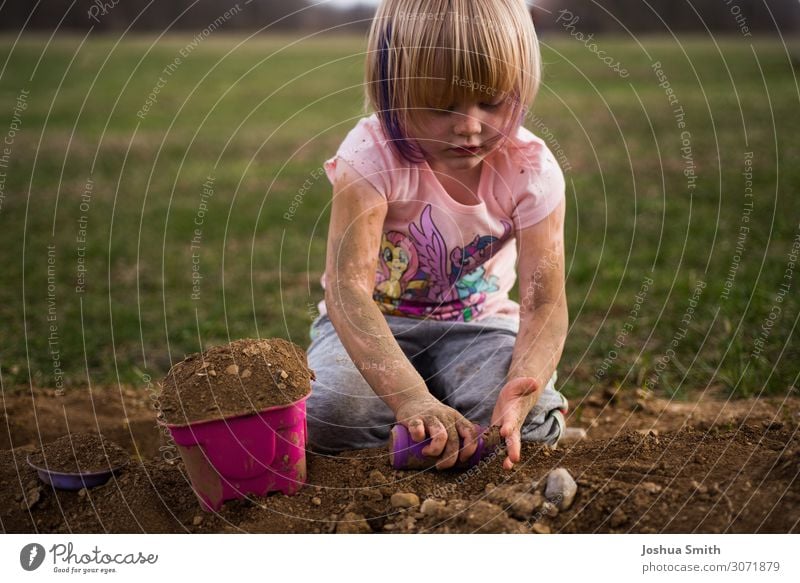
x=80 y=453
x=240 y=378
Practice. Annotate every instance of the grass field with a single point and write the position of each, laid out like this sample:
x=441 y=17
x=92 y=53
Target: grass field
x=712 y=265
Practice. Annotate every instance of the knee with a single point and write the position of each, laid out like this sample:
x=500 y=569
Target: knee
x=338 y=421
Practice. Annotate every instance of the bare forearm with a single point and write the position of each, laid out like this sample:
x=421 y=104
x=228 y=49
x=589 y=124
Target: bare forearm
x=372 y=347
x=539 y=343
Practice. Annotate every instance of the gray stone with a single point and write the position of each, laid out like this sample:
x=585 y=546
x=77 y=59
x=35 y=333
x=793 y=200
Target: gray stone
x=561 y=488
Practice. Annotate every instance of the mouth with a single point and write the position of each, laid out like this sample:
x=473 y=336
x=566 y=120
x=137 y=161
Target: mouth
x=466 y=151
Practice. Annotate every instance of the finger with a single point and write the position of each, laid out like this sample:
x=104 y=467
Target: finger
x=469 y=434
x=450 y=455
x=438 y=438
x=416 y=428
x=513 y=446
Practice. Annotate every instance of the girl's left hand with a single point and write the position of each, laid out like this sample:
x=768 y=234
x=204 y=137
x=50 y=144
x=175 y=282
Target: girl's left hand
x=515 y=401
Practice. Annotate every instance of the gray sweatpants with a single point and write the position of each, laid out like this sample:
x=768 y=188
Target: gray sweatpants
x=464 y=365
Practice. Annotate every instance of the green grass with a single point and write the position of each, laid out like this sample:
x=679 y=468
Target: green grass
x=261 y=117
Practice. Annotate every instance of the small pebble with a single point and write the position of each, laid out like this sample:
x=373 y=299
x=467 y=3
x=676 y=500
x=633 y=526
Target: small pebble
x=699 y=487
x=316 y=501
x=197 y=520
x=650 y=487
x=539 y=528
x=561 y=488
x=284 y=374
x=376 y=478
x=572 y=435
x=212 y=372
x=246 y=373
x=232 y=369
x=618 y=518
x=431 y=507
x=82 y=492
x=483 y=515
x=352 y=523
x=550 y=509
x=31 y=498
x=404 y=500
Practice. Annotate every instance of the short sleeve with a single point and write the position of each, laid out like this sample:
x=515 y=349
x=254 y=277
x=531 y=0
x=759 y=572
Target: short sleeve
x=541 y=186
x=363 y=151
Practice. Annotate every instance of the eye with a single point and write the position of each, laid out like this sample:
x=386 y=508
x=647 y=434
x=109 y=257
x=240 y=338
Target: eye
x=491 y=106
x=440 y=109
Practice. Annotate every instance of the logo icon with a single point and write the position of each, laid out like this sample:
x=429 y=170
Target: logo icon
x=31 y=556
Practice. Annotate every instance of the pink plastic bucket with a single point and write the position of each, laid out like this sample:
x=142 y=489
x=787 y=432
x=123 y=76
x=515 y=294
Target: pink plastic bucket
x=251 y=454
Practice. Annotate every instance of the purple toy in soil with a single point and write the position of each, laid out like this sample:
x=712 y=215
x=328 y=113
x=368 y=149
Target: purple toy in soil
x=405 y=453
x=250 y=454
x=74 y=480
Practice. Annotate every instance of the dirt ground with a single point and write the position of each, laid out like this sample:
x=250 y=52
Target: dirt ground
x=648 y=465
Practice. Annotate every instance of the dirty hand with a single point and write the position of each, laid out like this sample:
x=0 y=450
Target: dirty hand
x=427 y=416
x=515 y=401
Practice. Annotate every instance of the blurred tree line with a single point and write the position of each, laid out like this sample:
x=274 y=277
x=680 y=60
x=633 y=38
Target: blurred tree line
x=611 y=16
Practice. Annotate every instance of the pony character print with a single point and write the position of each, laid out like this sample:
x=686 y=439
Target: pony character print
x=417 y=277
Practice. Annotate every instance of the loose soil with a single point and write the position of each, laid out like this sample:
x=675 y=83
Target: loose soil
x=240 y=378
x=648 y=465
x=80 y=453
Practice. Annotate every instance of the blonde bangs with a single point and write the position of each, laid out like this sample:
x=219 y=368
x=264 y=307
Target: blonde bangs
x=427 y=54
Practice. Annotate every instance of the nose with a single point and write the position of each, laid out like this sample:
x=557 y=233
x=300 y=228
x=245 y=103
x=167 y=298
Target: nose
x=467 y=125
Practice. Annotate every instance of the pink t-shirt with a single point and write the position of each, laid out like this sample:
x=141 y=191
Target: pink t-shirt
x=440 y=258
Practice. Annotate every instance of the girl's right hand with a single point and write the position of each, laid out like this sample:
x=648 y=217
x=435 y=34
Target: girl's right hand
x=429 y=417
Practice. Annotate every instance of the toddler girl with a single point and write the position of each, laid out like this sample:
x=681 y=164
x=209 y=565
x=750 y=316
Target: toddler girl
x=435 y=196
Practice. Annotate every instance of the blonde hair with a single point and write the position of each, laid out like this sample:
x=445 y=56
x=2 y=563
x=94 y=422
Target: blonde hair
x=428 y=53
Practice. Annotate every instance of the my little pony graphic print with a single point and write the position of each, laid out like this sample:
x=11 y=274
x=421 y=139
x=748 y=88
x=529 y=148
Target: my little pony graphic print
x=417 y=277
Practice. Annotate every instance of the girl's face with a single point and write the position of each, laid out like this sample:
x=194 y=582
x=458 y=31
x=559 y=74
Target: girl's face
x=459 y=137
